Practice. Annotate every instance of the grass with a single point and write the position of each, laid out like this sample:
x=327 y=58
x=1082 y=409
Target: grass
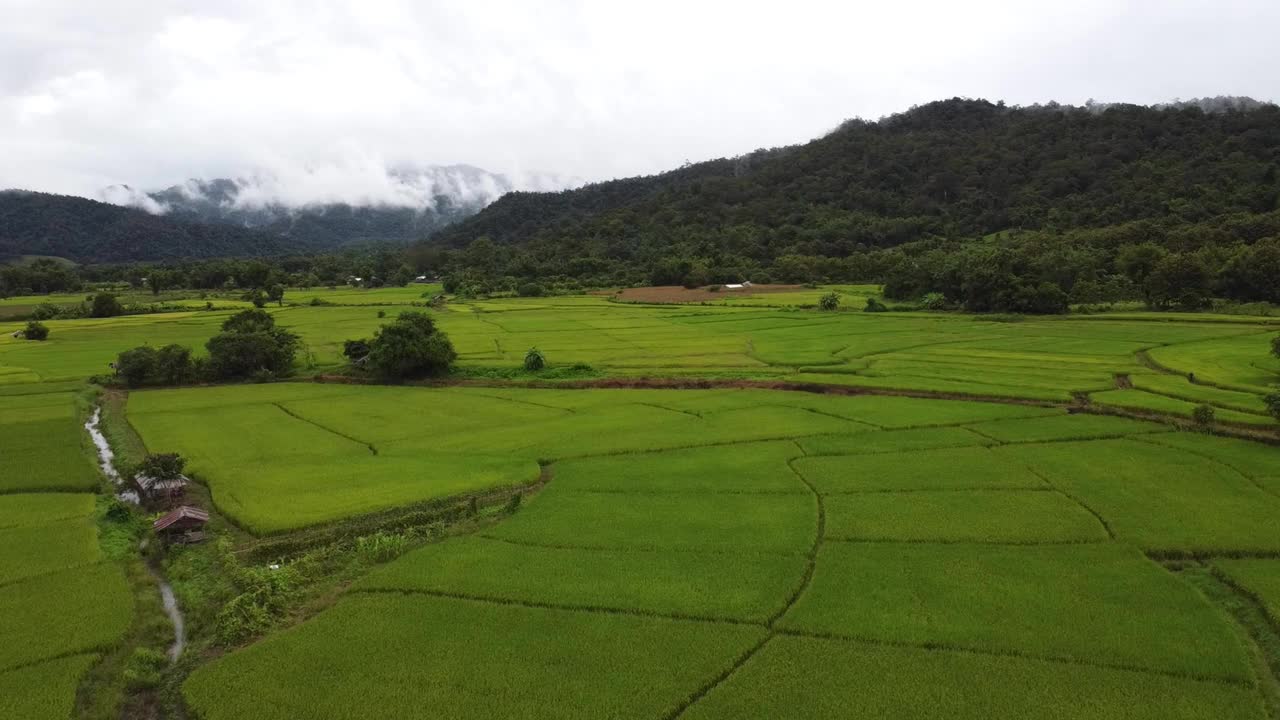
x=69 y=612
x=1100 y=604
x=1151 y=402
x=403 y=654
x=36 y=550
x=1160 y=498
x=729 y=523
x=44 y=455
x=1259 y=577
x=745 y=586
x=938 y=469
x=818 y=678
x=747 y=467
x=26 y=510
x=891 y=441
x=43 y=691
x=987 y=516
x=1065 y=427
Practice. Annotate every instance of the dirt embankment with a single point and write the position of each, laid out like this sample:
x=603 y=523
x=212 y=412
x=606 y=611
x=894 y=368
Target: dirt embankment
x=678 y=294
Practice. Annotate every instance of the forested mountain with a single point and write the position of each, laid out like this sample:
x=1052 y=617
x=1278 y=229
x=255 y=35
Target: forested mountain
x=927 y=199
x=85 y=231
x=399 y=206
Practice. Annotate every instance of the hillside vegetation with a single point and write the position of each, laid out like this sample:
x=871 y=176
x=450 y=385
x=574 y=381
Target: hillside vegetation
x=996 y=207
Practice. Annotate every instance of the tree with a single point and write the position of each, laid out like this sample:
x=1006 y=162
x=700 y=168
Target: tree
x=355 y=350
x=145 y=365
x=874 y=305
x=249 y=321
x=1181 y=280
x=1203 y=415
x=162 y=466
x=410 y=346
x=136 y=366
x=36 y=331
x=530 y=289
x=1275 y=346
x=534 y=360
x=105 y=305
x=275 y=294
x=257 y=297
x=830 y=301
x=251 y=343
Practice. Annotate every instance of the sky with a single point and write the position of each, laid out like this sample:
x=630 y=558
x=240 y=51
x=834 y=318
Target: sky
x=150 y=93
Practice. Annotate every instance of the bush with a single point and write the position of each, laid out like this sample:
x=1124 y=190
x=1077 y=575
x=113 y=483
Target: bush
x=1203 y=415
x=874 y=305
x=1275 y=346
x=355 y=350
x=144 y=668
x=1273 y=405
x=534 y=360
x=36 y=331
x=255 y=296
x=382 y=313
x=830 y=301
x=46 y=311
x=145 y=365
x=530 y=289
x=934 y=301
x=411 y=346
x=105 y=305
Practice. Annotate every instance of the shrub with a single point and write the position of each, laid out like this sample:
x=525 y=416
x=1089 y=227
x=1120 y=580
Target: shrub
x=36 y=331
x=382 y=313
x=136 y=366
x=144 y=668
x=46 y=311
x=1275 y=346
x=514 y=503
x=1273 y=405
x=530 y=289
x=830 y=301
x=934 y=301
x=255 y=296
x=1203 y=415
x=275 y=294
x=874 y=305
x=145 y=365
x=105 y=305
x=411 y=346
x=355 y=350
x=534 y=360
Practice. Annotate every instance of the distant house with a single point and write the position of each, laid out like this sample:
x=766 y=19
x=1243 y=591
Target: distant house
x=738 y=286
x=183 y=524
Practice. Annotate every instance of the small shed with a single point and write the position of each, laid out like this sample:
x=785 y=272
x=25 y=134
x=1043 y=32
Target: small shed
x=156 y=490
x=183 y=524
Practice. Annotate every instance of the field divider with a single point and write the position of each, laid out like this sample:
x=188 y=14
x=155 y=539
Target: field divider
x=811 y=557
x=640 y=548
x=718 y=680
x=1252 y=480
x=1101 y=520
x=1054 y=659
x=372 y=450
x=538 y=605
x=984 y=543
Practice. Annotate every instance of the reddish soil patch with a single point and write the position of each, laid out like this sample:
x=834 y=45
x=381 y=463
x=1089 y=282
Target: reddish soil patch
x=678 y=294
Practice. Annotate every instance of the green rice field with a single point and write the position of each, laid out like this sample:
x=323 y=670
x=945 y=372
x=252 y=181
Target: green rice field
x=744 y=508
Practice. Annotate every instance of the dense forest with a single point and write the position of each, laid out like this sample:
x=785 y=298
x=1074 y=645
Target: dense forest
x=82 y=230
x=994 y=207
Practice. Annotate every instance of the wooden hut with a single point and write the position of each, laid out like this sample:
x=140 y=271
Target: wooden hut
x=183 y=524
x=157 y=492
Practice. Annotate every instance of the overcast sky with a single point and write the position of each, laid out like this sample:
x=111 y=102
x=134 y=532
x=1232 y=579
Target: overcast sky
x=150 y=93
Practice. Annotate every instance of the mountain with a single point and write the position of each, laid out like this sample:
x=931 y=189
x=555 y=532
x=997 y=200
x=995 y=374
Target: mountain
x=88 y=231
x=325 y=211
x=955 y=168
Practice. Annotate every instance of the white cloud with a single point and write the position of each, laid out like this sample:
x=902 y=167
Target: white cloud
x=320 y=100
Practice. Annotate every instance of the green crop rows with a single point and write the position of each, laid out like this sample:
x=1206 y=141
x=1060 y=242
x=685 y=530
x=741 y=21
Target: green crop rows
x=955 y=528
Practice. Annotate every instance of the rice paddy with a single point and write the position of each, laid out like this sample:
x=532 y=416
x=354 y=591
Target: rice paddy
x=973 y=539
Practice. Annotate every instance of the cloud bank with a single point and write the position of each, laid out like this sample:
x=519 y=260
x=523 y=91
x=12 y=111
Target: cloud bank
x=331 y=102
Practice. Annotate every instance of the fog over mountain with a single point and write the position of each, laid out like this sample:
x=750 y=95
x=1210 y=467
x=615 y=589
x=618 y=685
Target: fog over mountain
x=330 y=206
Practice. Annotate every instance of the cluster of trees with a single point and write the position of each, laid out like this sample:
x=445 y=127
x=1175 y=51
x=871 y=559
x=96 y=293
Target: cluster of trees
x=409 y=347
x=249 y=346
x=869 y=200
